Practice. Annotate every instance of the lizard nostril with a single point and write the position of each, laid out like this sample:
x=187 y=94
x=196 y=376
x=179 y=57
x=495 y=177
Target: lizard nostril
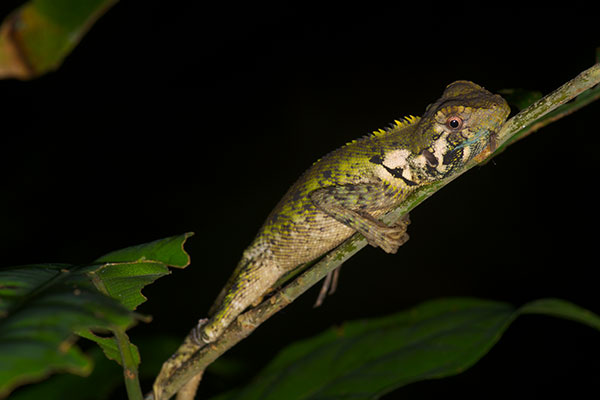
x=431 y=160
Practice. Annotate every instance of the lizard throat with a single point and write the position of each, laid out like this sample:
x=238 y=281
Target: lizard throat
x=453 y=155
x=473 y=142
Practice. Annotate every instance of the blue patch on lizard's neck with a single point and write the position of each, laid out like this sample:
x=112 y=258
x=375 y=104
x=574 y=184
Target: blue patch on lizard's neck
x=474 y=139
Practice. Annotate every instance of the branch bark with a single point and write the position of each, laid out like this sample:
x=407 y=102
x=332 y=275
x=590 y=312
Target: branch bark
x=527 y=121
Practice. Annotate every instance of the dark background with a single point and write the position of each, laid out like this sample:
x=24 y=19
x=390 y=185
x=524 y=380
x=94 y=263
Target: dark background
x=177 y=116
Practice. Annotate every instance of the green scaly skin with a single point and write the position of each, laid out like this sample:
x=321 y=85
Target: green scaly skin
x=346 y=191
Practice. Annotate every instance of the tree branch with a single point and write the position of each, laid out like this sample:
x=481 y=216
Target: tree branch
x=196 y=359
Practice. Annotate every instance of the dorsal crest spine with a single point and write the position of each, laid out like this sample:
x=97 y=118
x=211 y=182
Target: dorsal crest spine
x=408 y=120
x=397 y=124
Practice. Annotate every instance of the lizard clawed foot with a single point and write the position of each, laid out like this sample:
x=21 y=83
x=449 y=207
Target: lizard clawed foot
x=390 y=238
x=196 y=334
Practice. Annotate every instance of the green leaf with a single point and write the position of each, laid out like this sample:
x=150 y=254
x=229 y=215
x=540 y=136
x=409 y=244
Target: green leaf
x=168 y=251
x=103 y=380
x=105 y=377
x=366 y=359
x=37 y=37
x=110 y=347
x=40 y=307
x=561 y=309
x=124 y=273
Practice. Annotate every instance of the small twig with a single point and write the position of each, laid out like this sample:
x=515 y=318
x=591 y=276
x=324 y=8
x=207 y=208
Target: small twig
x=324 y=290
x=580 y=101
x=584 y=81
x=198 y=359
x=128 y=362
x=130 y=369
x=188 y=391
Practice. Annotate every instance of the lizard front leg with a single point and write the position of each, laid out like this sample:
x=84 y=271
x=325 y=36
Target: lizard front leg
x=352 y=205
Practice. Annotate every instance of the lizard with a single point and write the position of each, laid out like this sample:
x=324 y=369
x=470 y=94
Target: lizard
x=349 y=189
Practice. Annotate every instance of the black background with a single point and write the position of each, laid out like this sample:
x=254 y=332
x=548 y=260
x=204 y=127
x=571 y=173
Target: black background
x=178 y=116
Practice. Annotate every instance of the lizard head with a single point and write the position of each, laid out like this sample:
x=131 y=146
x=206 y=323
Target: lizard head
x=456 y=128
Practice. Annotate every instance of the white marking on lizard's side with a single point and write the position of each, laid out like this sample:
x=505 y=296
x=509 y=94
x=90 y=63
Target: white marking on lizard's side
x=383 y=174
x=396 y=158
x=407 y=174
x=440 y=148
x=392 y=160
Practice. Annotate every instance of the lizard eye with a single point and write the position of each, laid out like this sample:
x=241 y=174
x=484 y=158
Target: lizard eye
x=454 y=122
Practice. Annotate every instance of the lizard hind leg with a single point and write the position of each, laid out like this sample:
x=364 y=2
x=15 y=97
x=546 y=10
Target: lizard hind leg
x=251 y=280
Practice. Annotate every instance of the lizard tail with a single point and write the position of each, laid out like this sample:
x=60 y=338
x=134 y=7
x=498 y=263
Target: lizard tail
x=250 y=281
x=243 y=263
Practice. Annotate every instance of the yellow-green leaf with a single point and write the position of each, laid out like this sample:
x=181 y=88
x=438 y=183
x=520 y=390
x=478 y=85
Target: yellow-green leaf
x=36 y=38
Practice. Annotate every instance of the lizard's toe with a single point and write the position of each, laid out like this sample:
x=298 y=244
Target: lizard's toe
x=389 y=238
x=196 y=334
x=394 y=240
x=201 y=333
